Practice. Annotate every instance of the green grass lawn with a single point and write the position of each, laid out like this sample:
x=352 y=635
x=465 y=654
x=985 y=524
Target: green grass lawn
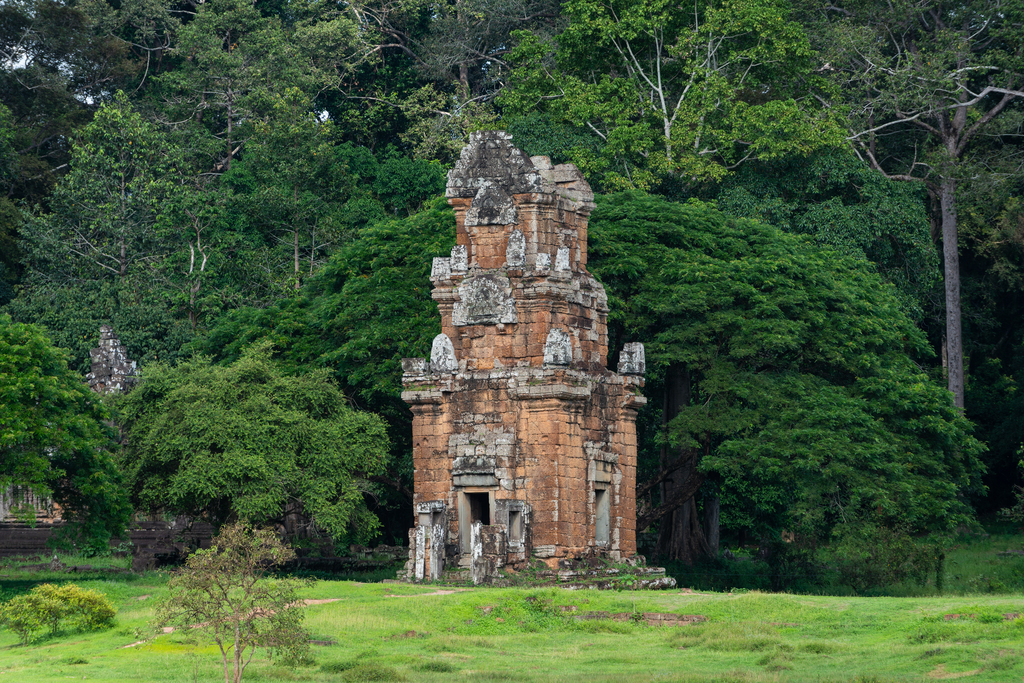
x=402 y=632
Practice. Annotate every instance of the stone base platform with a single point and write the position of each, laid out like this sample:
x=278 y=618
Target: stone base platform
x=590 y=574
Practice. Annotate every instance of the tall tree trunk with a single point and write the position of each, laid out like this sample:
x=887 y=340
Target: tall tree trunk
x=227 y=162
x=680 y=536
x=951 y=265
x=295 y=200
x=464 y=80
x=712 y=508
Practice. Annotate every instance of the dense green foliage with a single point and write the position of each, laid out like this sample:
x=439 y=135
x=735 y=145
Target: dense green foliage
x=246 y=441
x=367 y=309
x=805 y=404
x=668 y=91
x=55 y=437
x=56 y=607
x=844 y=206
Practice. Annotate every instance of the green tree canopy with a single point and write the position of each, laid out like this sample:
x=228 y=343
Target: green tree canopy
x=247 y=442
x=845 y=206
x=791 y=370
x=102 y=254
x=236 y=59
x=55 y=436
x=932 y=90
x=366 y=309
x=670 y=92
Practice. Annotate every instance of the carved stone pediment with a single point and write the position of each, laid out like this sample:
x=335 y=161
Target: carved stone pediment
x=491 y=206
x=485 y=299
x=442 y=355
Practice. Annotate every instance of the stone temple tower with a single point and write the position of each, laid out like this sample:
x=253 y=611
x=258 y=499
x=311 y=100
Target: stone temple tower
x=524 y=443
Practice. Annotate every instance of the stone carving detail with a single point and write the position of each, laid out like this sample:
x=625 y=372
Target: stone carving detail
x=479 y=458
x=543 y=261
x=441 y=267
x=491 y=206
x=631 y=360
x=415 y=366
x=491 y=158
x=111 y=369
x=485 y=300
x=558 y=348
x=442 y=355
x=562 y=259
x=459 y=261
x=515 y=252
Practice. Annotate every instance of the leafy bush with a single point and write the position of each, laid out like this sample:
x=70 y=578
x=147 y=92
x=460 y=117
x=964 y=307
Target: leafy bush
x=372 y=672
x=57 y=608
x=1016 y=513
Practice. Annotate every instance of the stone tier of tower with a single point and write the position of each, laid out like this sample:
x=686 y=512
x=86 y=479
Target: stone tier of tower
x=524 y=443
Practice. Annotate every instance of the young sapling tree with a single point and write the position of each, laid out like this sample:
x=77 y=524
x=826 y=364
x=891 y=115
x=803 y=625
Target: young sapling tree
x=226 y=592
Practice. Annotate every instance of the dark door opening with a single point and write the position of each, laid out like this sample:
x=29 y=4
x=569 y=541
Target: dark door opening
x=479 y=508
x=601 y=504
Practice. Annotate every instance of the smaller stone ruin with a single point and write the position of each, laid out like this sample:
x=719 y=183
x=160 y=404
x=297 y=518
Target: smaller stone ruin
x=112 y=371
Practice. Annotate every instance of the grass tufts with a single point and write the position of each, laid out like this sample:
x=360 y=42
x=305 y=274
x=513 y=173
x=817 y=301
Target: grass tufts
x=719 y=637
x=372 y=672
x=818 y=647
x=438 y=666
x=337 y=667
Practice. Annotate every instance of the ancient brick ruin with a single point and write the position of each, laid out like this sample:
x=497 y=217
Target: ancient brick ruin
x=524 y=443
x=112 y=371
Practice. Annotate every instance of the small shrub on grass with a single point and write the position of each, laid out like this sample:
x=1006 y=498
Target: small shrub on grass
x=225 y=592
x=372 y=672
x=985 y=584
x=934 y=633
x=337 y=667
x=437 y=666
x=56 y=608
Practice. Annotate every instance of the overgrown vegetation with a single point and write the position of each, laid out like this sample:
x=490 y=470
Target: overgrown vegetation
x=885 y=562
x=248 y=441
